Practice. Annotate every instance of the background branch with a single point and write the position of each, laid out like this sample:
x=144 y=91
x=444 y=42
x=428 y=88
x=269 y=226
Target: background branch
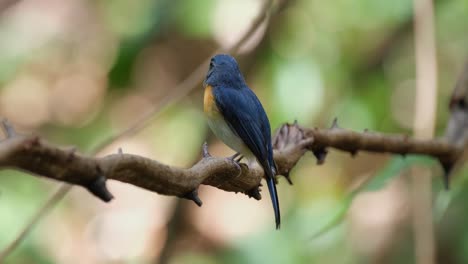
x=423 y=126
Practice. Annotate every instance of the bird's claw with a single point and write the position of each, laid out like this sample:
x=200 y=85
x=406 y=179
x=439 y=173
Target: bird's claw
x=236 y=162
x=237 y=157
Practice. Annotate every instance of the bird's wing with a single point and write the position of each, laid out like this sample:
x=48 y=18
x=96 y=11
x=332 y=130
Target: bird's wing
x=245 y=115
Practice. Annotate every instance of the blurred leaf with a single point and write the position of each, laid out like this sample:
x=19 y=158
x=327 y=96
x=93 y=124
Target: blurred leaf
x=156 y=16
x=193 y=258
x=29 y=253
x=337 y=216
x=194 y=17
x=258 y=249
x=299 y=81
x=170 y=128
x=393 y=169
x=444 y=198
x=83 y=138
x=20 y=196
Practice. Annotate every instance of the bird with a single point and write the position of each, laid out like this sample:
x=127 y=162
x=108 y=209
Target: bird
x=236 y=117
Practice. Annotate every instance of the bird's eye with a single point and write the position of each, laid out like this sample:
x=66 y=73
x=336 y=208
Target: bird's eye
x=212 y=64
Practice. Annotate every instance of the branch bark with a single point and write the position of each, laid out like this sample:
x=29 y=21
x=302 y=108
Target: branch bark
x=291 y=142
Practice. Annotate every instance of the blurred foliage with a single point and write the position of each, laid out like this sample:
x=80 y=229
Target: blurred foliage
x=146 y=22
x=77 y=72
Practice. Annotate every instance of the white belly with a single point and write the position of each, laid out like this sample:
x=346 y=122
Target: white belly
x=222 y=130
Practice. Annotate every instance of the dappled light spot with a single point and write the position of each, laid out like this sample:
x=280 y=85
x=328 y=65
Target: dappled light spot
x=76 y=95
x=25 y=101
x=376 y=219
x=298 y=90
x=402 y=103
x=231 y=20
x=229 y=216
x=292 y=40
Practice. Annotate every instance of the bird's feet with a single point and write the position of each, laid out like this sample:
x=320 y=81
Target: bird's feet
x=236 y=163
x=236 y=157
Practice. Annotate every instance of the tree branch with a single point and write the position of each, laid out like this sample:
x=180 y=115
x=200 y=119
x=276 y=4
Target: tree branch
x=34 y=155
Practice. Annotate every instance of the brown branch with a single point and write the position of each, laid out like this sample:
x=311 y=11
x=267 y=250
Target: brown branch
x=31 y=154
x=352 y=142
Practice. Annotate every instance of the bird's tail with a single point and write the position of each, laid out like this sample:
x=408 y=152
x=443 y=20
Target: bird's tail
x=273 y=194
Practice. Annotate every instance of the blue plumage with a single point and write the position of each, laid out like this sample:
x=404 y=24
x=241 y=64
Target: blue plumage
x=244 y=125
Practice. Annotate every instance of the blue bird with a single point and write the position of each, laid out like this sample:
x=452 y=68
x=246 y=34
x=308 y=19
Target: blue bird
x=236 y=116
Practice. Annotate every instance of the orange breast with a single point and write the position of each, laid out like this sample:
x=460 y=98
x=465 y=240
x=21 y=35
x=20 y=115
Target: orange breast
x=209 y=104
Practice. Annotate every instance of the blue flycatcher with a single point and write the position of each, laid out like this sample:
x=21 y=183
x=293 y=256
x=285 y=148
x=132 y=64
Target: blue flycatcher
x=237 y=117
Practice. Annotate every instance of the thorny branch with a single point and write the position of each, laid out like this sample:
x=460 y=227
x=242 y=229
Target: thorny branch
x=291 y=142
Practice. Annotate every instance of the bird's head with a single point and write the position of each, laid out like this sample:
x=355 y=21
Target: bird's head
x=224 y=71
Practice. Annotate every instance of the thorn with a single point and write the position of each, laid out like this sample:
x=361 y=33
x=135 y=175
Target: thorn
x=98 y=188
x=335 y=124
x=254 y=193
x=193 y=196
x=288 y=178
x=120 y=151
x=320 y=154
x=366 y=130
x=205 y=152
x=353 y=153
x=8 y=128
x=295 y=123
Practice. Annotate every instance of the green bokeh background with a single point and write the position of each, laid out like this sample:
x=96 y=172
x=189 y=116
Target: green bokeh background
x=350 y=59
